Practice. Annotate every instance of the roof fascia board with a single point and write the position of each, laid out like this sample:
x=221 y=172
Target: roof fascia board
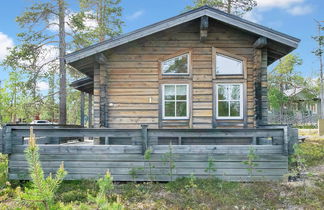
x=135 y=36
x=255 y=29
x=177 y=20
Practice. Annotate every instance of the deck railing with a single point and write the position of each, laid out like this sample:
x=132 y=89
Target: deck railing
x=121 y=151
x=146 y=137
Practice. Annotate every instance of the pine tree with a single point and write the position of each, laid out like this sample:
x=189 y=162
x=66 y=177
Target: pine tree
x=98 y=20
x=236 y=7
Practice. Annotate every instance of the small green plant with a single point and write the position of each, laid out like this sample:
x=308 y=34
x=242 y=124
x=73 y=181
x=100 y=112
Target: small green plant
x=250 y=162
x=105 y=185
x=191 y=182
x=147 y=157
x=168 y=159
x=42 y=191
x=134 y=172
x=3 y=170
x=211 y=168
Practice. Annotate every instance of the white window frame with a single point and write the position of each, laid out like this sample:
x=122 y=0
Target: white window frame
x=175 y=104
x=188 y=63
x=229 y=57
x=241 y=103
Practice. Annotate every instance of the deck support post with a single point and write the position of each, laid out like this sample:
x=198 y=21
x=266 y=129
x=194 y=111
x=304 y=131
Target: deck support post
x=144 y=138
x=82 y=109
x=7 y=140
x=90 y=110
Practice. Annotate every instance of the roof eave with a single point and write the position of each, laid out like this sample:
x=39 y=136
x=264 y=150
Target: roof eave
x=177 y=20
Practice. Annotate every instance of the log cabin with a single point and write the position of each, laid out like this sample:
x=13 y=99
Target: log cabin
x=194 y=86
x=201 y=69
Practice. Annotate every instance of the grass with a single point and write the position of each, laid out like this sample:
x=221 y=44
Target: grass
x=312 y=149
x=191 y=193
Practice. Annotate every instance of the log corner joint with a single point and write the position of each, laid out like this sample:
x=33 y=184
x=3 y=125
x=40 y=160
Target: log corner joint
x=100 y=58
x=260 y=43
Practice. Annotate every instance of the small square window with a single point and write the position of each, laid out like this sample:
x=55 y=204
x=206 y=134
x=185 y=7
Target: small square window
x=176 y=65
x=226 y=65
x=229 y=104
x=175 y=101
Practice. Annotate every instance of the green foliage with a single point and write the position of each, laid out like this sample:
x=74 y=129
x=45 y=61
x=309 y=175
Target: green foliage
x=147 y=157
x=105 y=185
x=42 y=190
x=211 y=168
x=168 y=160
x=3 y=170
x=134 y=172
x=250 y=162
x=285 y=77
x=236 y=7
x=107 y=16
x=308 y=154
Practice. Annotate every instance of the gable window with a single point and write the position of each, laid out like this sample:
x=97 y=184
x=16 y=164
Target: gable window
x=226 y=65
x=175 y=101
x=176 y=65
x=229 y=101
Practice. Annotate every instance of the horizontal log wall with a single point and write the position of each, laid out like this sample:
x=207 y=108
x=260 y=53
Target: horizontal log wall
x=134 y=79
x=90 y=162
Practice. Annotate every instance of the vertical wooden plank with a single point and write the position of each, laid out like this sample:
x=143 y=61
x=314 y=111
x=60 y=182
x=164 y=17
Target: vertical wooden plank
x=144 y=138
x=82 y=109
x=96 y=96
x=264 y=85
x=7 y=140
x=106 y=140
x=90 y=110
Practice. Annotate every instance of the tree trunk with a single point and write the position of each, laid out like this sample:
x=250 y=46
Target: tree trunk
x=62 y=49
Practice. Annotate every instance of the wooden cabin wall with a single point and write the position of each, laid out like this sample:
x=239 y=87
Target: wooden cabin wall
x=133 y=78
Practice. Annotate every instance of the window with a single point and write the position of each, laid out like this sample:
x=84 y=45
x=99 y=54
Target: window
x=226 y=65
x=176 y=65
x=229 y=101
x=175 y=101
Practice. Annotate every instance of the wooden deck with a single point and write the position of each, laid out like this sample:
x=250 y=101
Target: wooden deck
x=124 y=148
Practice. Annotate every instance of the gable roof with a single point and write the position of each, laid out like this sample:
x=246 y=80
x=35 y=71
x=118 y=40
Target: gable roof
x=216 y=14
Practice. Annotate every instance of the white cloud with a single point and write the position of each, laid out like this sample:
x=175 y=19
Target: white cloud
x=277 y=3
x=135 y=15
x=5 y=44
x=300 y=10
x=42 y=86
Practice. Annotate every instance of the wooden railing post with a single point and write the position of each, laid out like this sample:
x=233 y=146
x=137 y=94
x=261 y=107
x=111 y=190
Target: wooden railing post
x=144 y=138
x=285 y=140
x=7 y=140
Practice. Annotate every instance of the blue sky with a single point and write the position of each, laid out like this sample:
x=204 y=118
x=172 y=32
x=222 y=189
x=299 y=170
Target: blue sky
x=294 y=17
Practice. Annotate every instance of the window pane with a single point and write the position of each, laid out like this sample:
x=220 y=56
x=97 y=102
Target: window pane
x=169 y=109
x=235 y=92
x=181 y=109
x=223 y=109
x=176 y=65
x=235 y=109
x=228 y=65
x=181 y=92
x=169 y=92
x=222 y=92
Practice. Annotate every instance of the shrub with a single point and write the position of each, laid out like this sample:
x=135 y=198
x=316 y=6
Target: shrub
x=42 y=190
x=105 y=185
x=3 y=170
